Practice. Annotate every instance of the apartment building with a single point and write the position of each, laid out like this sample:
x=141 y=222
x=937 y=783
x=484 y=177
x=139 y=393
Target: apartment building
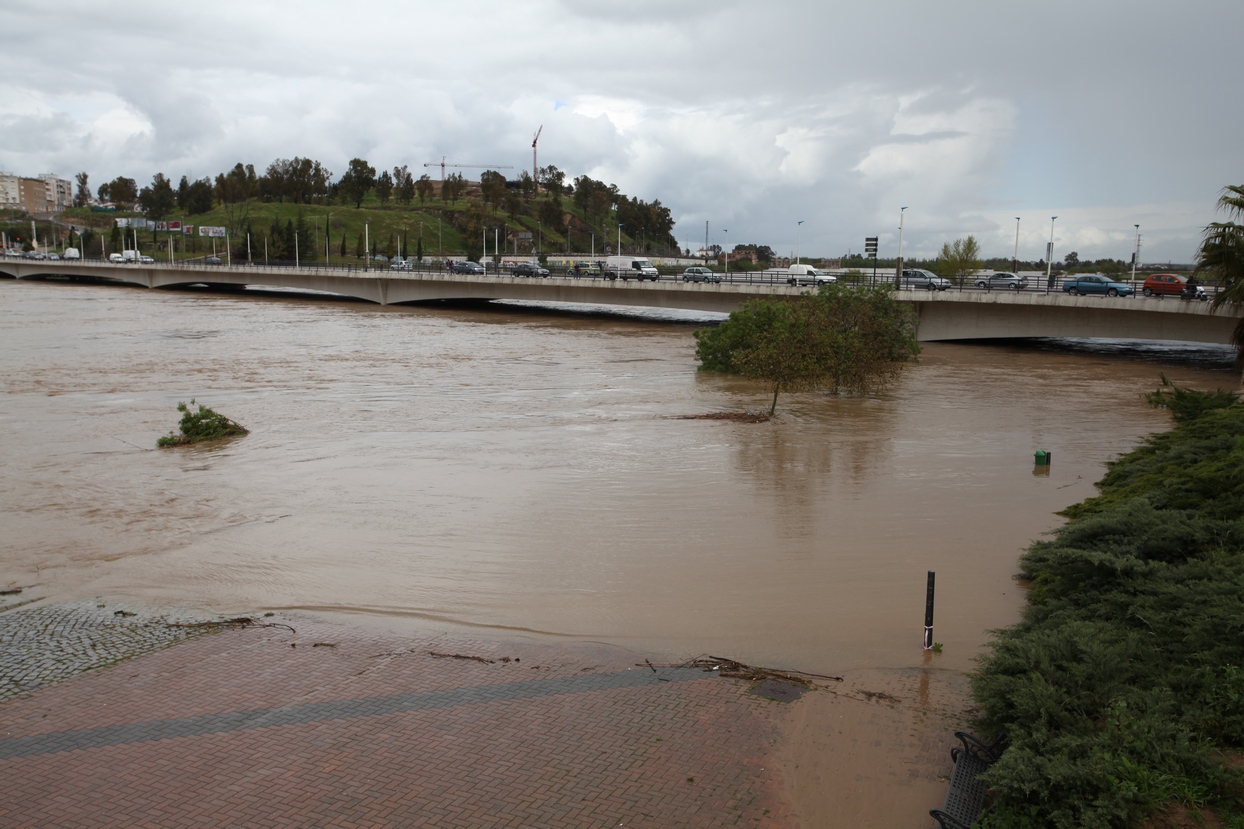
x=45 y=193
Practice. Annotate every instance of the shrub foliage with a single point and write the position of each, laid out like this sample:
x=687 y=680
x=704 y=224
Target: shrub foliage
x=1125 y=679
x=201 y=425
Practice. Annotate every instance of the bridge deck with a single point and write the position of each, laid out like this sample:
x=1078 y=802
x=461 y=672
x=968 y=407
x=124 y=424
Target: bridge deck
x=949 y=315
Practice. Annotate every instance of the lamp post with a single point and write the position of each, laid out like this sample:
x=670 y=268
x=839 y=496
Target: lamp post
x=1015 y=257
x=1136 y=253
x=367 y=245
x=898 y=273
x=619 y=240
x=296 y=249
x=798 y=228
x=1049 y=258
x=725 y=250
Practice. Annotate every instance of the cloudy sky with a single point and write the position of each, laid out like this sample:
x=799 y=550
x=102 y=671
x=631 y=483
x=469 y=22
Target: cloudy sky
x=749 y=115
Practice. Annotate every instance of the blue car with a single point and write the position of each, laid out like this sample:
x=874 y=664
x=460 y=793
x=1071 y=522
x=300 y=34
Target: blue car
x=1097 y=285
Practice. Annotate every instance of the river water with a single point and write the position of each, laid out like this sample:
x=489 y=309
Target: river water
x=513 y=470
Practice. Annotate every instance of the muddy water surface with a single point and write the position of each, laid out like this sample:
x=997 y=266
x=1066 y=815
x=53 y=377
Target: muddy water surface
x=510 y=470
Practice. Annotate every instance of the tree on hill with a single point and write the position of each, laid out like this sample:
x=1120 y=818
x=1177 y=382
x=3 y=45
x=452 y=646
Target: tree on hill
x=83 y=195
x=492 y=188
x=384 y=186
x=120 y=190
x=841 y=339
x=424 y=188
x=158 y=199
x=357 y=181
x=403 y=185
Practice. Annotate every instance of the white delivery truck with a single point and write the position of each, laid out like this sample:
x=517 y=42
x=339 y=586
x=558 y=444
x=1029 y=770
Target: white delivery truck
x=808 y=275
x=129 y=255
x=71 y=253
x=630 y=267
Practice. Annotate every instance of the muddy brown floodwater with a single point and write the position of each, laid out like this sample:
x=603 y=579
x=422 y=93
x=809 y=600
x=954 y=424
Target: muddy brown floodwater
x=514 y=470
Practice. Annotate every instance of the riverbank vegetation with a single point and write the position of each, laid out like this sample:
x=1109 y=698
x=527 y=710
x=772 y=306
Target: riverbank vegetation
x=839 y=339
x=1122 y=688
x=201 y=425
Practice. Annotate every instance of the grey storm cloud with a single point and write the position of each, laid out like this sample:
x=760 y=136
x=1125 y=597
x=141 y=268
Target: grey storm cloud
x=748 y=116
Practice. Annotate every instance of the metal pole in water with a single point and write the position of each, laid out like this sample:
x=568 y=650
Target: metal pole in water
x=928 y=614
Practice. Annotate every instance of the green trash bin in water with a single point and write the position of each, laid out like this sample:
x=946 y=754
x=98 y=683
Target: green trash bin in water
x=1042 y=458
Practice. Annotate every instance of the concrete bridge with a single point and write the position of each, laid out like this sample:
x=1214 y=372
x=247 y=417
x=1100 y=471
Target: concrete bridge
x=950 y=315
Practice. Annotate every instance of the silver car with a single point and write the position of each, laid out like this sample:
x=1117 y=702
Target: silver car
x=698 y=274
x=920 y=278
x=1013 y=281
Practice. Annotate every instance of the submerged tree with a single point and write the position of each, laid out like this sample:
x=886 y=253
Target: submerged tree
x=202 y=425
x=844 y=340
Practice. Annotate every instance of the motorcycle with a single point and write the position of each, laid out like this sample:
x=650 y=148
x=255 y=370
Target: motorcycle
x=1197 y=293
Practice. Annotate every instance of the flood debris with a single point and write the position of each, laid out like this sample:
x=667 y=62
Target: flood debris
x=436 y=655
x=740 y=670
x=236 y=622
x=733 y=417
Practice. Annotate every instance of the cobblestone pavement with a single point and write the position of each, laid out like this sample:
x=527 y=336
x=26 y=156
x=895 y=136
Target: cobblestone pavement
x=43 y=645
x=335 y=725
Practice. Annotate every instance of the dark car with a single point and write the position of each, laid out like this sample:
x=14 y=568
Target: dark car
x=212 y=260
x=466 y=267
x=528 y=269
x=1164 y=284
x=698 y=274
x=1013 y=281
x=1097 y=285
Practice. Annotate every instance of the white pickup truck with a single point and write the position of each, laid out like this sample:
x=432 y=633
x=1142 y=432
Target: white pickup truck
x=808 y=275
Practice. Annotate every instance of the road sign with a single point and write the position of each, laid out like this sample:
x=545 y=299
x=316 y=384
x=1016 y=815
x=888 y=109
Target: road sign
x=870 y=246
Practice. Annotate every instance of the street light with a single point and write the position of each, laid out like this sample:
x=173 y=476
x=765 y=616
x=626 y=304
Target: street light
x=725 y=250
x=1015 y=258
x=367 y=245
x=1049 y=258
x=619 y=240
x=899 y=272
x=295 y=249
x=798 y=228
x=1136 y=253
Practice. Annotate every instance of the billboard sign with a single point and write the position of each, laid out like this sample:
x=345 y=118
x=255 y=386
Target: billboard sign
x=123 y=222
x=208 y=230
x=174 y=225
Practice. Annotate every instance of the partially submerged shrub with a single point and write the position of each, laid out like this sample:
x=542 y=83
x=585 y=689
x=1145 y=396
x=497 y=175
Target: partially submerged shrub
x=202 y=425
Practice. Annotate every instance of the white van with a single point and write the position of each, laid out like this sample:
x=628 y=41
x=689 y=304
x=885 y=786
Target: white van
x=630 y=267
x=71 y=253
x=129 y=255
x=116 y=258
x=808 y=275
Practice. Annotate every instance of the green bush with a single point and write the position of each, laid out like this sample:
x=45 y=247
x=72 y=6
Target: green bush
x=202 y=425
x=1126 y=674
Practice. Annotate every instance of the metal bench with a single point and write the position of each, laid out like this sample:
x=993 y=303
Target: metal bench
x=966 y=797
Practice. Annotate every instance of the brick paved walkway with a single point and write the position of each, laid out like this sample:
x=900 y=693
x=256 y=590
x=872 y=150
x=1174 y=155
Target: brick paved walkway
x=344 y=726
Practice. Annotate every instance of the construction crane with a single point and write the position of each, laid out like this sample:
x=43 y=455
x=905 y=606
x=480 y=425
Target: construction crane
x=535 y=169
x=442 y=164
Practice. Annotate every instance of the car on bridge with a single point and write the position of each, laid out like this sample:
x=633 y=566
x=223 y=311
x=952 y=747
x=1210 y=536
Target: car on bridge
x=1096 y=285
x=807 y=275
x=698 y=274
x=1013 y=281
x=466 y=267
x=920 y=278
x=1164 y=284
x=528 y=269
x=145 y=260
x=212 y=260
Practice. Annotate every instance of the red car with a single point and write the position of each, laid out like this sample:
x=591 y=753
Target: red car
x=1164 y=284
